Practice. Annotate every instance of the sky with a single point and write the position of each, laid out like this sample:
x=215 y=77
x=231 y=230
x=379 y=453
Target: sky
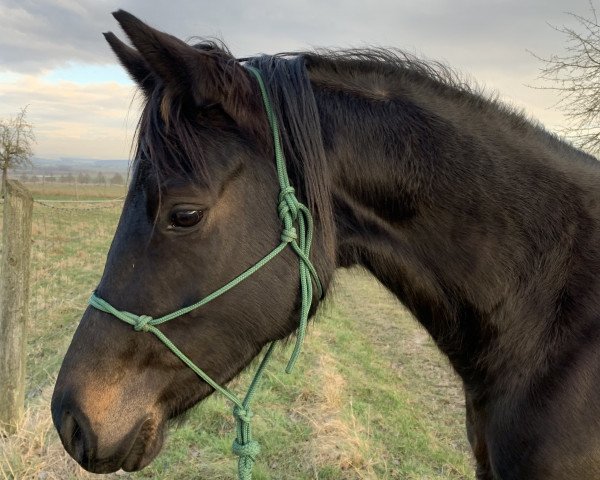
x=54 y=59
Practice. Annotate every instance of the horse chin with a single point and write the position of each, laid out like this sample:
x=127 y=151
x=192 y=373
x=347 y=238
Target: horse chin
x=146 y=447
x=150 y=440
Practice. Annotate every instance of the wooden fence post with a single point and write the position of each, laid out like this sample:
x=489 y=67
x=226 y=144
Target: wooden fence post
x=14 y=302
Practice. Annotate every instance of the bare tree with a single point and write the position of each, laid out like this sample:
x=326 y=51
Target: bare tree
x=576 y=77
x=16 y=139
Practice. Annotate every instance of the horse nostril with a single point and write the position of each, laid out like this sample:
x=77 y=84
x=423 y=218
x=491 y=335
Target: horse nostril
x=73 y=437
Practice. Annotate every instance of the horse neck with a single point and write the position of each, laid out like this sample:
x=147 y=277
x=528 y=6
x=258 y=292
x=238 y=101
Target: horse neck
x=430 y=205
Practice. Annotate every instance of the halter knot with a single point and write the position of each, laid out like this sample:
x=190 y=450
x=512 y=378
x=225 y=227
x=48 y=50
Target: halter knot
x=242 y=414
x=288 y=204
x=249 y=450
x=141 y=323
x=289 y=235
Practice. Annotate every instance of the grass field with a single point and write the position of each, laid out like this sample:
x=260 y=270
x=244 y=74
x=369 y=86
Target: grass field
x=370 y=398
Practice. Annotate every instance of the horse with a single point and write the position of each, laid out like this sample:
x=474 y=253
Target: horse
x=482 y=223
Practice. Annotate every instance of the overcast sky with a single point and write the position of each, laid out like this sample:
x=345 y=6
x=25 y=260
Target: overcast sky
x=54 y=58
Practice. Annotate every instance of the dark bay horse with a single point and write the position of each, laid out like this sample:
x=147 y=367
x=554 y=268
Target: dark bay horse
x=483 y=224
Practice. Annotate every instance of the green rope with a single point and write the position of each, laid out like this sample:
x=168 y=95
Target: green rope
x=297 y=232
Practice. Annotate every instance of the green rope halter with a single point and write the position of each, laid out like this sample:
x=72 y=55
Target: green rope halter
x=297 y=232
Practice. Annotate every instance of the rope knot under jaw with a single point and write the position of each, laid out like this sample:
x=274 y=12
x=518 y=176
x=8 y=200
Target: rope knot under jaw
x=243 y=446
x=249 y=450
x=242 y=414
x=141 y=324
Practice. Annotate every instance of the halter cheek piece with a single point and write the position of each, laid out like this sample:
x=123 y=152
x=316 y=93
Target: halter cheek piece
x=297 y=233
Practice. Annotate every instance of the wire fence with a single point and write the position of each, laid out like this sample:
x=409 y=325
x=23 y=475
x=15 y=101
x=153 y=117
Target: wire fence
x=80 y=205
x=70 y=240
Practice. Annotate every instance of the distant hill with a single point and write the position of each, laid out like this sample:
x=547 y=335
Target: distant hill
x=72 y=164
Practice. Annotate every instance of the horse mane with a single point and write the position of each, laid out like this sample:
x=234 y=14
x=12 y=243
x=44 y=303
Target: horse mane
x=387 y=69
x=294 y=104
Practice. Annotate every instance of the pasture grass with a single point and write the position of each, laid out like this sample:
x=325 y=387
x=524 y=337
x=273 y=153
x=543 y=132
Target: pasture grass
x=370 y=398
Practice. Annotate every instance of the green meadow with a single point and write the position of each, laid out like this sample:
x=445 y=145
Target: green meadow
x=370 y=397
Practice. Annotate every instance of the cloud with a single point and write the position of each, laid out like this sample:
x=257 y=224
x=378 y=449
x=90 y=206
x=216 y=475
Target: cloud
x=38 y=35
x=74 y=120
x=43 y=34
x=83 y=113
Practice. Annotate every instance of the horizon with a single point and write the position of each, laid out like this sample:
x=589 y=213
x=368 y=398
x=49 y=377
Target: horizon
x=82 y=103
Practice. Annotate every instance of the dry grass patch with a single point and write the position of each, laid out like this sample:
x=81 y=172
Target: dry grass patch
x=338 y=437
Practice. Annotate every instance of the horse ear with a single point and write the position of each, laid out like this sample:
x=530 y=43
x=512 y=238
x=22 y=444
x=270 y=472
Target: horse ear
x=133 y=62
x=210 y=77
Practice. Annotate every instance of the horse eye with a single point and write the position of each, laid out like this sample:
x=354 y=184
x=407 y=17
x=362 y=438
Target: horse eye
x=185 y=218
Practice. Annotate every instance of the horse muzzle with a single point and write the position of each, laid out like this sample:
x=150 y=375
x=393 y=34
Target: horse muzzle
x=101 y=444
